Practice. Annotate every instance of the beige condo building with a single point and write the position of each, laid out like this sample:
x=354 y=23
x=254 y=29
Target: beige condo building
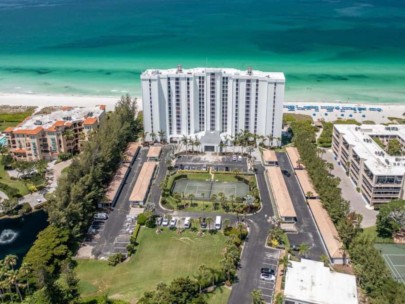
x=45 y=136
x=376 y=174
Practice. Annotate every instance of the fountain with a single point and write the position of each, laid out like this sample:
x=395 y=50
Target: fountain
x=7 y=236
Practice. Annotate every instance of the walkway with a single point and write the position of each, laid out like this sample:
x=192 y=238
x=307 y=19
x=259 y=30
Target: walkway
x=349 y=193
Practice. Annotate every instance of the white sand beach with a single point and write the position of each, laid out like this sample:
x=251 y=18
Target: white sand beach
x=57 y=100
x=330 y=111
x=327 y=111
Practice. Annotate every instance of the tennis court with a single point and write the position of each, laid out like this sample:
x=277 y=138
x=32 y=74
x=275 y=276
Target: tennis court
x=202 y=190
x=394 y=256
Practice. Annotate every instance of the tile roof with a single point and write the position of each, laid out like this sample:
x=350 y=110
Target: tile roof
x=90 y=121
x=34 y=131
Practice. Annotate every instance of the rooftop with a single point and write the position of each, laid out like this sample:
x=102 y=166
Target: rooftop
x=269 y=156
x=140 y=189
x=281 y=195
x=116 y=182
x=327 y=229
x=311 y=282
x=377 y=160
x=154 y=152
x=36 y=123
x=224 y=71
x=305 y=182
x=294 y=157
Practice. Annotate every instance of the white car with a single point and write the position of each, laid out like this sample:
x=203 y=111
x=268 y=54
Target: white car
x=267 y=277
x=39 y=200
x=165 y=222
x=173 y=223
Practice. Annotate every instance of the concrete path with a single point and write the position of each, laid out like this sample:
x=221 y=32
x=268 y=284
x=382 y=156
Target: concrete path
x=349 y=193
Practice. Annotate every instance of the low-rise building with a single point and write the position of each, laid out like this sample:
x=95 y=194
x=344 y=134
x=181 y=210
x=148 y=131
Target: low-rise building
x=270 y=158
x=285 y=208
x=154 y=153
x=310 y=282
x=376 y=174
x=45 y=136
x=141 y=189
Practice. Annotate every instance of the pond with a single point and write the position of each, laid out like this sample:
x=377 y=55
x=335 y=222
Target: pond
x=17 y=235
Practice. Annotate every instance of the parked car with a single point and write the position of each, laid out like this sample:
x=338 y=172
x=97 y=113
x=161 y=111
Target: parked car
x=267 y=271
x=267 y=277
x=101 y=216
x=187 y=223
x=173 y=223
x=234 y=157
x=159 y=220
x=203 y=223
x=165 y=222
x=239 y=158
x=286 y=173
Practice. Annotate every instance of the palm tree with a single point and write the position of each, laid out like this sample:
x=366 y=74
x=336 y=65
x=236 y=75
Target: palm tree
x=13 y=280
x=270 y=138
x=325 y=259
x=153 y=136
x=227 y=222
x=192 y=144
x=236 y=172
x=184 y=141
x=309 y=194
x=24 y=271
x=299 y=163
x=221 y=145
x=213 y=199
x=257 y=296
x=191 y=197
x=161 y=134
x=197 y=142
x=143 y=135
x=330 y=167
x=303 y=249
x=10 y=261
x=232 y=199
x=250 y=149
x=209 y=221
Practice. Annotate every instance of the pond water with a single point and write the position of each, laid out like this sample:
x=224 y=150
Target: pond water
x=18 y=235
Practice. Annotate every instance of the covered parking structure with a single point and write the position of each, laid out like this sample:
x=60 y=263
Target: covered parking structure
x=142 y=186
x=306 y=184
x=294 y=156
x=328 y=232
x=285 y=207
x=154 y=153
x=269 y=158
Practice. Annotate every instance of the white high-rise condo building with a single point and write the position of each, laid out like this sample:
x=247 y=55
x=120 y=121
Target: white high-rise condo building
x=211 y=103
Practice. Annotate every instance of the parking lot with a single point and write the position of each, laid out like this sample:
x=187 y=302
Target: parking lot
x=270 y=260
x=217 y=163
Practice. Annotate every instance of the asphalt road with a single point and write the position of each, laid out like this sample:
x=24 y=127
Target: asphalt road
x=307 y=230
x=254 y=252
x=116 y=218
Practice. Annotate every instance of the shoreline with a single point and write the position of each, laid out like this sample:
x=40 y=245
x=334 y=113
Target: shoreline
x=295 y=107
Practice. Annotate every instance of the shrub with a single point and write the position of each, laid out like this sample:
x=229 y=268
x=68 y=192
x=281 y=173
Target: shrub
x=10 y=191
x=24 y=209
x=143 y=218
x=115 y=259
x=65 y=156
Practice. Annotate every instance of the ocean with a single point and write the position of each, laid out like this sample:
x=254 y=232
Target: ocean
x=329 y=50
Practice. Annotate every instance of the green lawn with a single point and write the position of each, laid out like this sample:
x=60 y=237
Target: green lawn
x=206 y=206
x=160 y=258
x=5 y=179
x=372 y=232
x=13 y=119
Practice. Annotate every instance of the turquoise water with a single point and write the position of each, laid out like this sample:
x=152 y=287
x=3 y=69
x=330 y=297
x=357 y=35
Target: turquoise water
x=330 y=50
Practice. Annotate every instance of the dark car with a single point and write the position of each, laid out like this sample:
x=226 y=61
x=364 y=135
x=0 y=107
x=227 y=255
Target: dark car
x=203 y=223
x=286 y=173
x=267 y=271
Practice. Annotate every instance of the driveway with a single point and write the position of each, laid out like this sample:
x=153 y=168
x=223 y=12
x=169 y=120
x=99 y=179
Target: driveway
x=307 y=230
x=349 y=193
x=117 y=219
x=254 y=252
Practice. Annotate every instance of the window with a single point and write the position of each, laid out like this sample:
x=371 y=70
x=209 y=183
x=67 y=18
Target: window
x=212 y=102
x=247 y=105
